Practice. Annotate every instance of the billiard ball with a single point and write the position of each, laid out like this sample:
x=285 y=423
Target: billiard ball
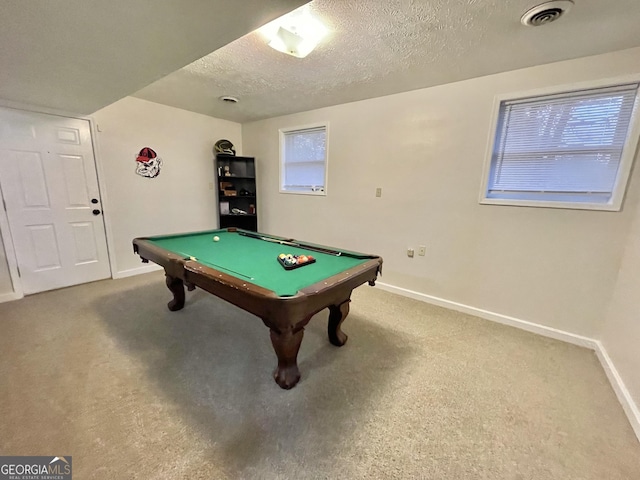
x=216 y=238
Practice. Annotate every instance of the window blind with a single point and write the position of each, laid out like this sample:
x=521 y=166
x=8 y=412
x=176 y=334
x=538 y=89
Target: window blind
x=304 y=160
x=564 y=147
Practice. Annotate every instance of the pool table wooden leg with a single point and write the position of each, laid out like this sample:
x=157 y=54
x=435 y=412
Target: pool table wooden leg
x=177 y=288
x=286 y=345
x=337 y=314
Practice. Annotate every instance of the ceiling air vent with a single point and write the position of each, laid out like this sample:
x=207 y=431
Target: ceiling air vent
x=546 y=13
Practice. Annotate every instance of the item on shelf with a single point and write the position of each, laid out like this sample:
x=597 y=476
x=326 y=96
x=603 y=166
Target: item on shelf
x=227 y=172
x=227 y=186
x=224 y=208
x=252 y=209
x=237 y=211
x=230 y=193
x=224 y=147
x=245 y=193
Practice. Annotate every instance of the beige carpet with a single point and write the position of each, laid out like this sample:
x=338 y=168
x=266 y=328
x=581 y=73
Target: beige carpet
x=105 y=373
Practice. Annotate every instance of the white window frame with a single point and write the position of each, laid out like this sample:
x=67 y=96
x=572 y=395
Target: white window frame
x=626 y=159
x=282 y=133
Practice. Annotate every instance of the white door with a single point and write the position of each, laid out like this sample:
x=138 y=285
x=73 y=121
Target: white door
x=50 y=190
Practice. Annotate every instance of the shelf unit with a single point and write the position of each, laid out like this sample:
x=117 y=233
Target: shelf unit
x=236 y=187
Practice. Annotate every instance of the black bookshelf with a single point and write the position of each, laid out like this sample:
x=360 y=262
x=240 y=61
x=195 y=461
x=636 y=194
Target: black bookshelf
x=237 y=195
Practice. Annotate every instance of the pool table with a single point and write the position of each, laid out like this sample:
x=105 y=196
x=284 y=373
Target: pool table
x=242 y=268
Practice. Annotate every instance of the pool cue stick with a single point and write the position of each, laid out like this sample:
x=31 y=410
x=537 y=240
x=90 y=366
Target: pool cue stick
x=291 y=243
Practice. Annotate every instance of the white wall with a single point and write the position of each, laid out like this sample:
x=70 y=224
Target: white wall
x=181 y=198
x=621 y=330
x=426 y=150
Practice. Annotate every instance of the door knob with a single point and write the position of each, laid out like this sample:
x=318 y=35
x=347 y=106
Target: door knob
x=96 y=212
x=94 y=200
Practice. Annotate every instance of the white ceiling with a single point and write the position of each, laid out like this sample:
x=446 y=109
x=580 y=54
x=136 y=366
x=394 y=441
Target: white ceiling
x=81 y=55
x=380 y=47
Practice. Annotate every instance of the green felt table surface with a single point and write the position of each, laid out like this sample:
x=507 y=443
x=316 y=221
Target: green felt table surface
x=255 y=260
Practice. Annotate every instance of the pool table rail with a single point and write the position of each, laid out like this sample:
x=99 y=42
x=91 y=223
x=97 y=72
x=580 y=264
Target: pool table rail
x=265 y=304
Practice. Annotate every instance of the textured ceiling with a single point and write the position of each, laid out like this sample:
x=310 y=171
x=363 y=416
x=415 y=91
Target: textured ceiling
x=380 y=47
x=80 y=55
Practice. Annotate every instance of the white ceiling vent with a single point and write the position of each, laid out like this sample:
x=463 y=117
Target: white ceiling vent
x=546 y=13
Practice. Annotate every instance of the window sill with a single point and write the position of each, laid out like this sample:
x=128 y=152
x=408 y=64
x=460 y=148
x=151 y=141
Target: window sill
x=607 y=207
x=295 y=192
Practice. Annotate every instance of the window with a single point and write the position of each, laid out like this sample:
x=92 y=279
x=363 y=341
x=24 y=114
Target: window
x=567 y=150
x=303 y=160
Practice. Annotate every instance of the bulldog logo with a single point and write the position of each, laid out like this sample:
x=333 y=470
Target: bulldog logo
x=148 y=163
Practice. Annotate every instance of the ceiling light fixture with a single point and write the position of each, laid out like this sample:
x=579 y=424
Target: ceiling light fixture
x=228 y=99
x=296 y=33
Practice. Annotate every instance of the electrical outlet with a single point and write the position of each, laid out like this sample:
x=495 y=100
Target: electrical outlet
x=410 y=252
x=378 y=192
x=422 y=250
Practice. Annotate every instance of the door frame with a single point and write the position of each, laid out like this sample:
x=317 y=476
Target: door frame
x=7 y=240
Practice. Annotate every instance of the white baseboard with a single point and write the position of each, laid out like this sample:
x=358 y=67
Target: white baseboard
x=624 y=397
x=7 y=297
x=137 y=271
x=494 y=317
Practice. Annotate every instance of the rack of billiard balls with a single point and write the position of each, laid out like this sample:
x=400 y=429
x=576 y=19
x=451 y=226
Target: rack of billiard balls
x=289 y=261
